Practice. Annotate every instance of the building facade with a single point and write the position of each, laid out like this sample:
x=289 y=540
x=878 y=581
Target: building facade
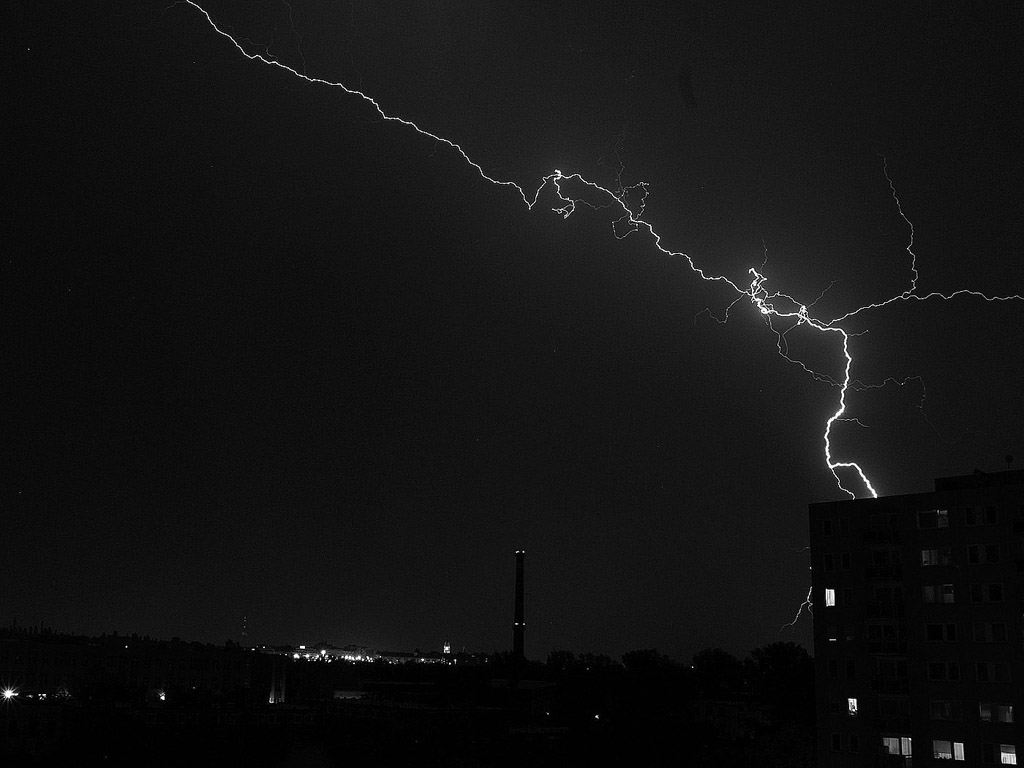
x=918 y=631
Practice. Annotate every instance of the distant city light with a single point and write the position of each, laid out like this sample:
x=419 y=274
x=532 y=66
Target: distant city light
x=9 y=693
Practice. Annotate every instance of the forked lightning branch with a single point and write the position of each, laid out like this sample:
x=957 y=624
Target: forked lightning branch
x=777 y=308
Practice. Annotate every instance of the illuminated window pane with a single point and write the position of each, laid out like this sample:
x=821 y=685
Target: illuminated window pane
x=897 y=745
x=830 y=597
x=942 y=750
x=851 y=707
x=958 y=750
x=1007 y=754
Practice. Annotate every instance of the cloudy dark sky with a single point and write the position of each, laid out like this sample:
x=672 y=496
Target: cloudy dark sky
x=266 y=355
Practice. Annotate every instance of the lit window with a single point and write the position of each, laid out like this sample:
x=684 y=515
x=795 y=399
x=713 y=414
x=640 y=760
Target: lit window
x=897 y=745
x=851 y=707
x=947 y=750
x=1007 y=754
x=830 y=597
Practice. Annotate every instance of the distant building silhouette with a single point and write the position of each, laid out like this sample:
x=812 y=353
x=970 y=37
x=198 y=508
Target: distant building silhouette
x=918 y=602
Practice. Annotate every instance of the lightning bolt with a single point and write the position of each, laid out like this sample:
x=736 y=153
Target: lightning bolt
x=572 y=191
x=807 y=604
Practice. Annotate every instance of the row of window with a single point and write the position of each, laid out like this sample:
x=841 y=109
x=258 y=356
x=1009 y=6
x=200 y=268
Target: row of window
x=926 y=518
x=945 y=593
x=930 y=593
x=891 y=706
x=984 y=671
x=942 y=749
x=972 y=516
x=977 y=554
x=982 y=632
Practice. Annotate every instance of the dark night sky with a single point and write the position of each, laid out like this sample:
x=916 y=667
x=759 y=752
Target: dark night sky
x=267 y=355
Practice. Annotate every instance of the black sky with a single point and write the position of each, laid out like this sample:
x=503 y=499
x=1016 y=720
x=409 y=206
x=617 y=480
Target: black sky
x=266 y=355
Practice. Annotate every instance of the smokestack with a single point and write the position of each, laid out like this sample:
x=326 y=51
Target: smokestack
x=519 y=622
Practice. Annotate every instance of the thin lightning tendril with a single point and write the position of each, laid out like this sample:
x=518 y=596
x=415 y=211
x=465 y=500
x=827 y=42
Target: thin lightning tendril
x=808 y=603
x=631 y=200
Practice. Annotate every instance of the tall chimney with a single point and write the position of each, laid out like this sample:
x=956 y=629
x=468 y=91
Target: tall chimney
x=519 y=622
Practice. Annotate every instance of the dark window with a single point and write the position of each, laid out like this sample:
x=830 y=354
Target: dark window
x=987 y=553
x=943 y=670
x=851 y=669
x=837 y=742
x=945 y=710
x=981 y=516
x=828 y=561
x=826 y=527
x=938 y=593
x=992 y=672
x=854 y=742
x=933 y=518
x=845 y=557
x=844 y=525
x=990 y=632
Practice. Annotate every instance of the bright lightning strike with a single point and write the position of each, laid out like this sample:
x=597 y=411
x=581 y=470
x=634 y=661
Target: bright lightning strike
x=773 y=306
